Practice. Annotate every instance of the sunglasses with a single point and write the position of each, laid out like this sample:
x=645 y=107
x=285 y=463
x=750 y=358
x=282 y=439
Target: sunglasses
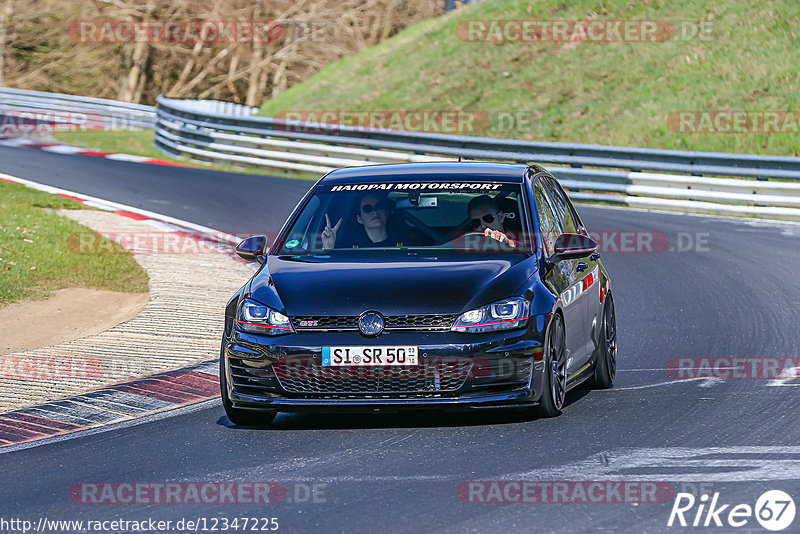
x=380 y=206
x=475 y=223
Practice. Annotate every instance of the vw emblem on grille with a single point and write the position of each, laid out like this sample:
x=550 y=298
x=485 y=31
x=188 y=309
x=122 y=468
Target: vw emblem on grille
x=370 y=323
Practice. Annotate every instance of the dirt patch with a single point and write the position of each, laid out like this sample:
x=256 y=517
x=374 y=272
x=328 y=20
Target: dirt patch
x=69 y=314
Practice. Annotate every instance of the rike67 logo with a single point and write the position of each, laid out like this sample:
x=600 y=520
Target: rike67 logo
x=774 y=510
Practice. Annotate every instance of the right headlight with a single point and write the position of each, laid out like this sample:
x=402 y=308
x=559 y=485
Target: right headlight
x=256 y=318
x=501 y=315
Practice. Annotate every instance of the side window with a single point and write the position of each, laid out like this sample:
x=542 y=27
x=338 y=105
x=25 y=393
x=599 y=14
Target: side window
x=301 y=231
x=563 y=210
x=549 y=225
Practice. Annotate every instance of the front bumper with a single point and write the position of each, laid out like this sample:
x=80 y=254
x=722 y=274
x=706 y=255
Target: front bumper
x=457 y=371
x=519 y=399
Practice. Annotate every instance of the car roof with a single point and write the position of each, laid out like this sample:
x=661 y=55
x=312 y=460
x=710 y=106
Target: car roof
x=429 y=172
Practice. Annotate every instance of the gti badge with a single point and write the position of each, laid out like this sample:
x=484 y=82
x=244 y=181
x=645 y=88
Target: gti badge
x=370 y=323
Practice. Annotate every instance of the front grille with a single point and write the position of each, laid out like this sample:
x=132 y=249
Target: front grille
x=324 y=322
x=340 y=323
x=307 y=375
x=419 y=322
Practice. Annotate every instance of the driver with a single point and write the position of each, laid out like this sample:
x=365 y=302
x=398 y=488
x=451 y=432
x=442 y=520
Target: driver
x=373 y=216
x=487 y=218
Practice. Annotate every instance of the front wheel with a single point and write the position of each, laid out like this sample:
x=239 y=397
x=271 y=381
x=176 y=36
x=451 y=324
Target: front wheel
x=236 y=415
x=605 y=369
x=555 y=371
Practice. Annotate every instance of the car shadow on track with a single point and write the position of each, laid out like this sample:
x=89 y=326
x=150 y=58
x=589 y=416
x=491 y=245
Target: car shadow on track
x=409 y=419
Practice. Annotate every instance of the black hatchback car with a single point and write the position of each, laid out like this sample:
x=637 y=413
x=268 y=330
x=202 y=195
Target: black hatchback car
x=440 y=285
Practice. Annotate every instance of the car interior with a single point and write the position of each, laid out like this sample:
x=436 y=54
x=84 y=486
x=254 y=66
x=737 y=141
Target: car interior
x=422 y=219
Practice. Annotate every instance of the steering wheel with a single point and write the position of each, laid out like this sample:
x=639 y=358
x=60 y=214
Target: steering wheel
x=424 y=228
x=463 y=227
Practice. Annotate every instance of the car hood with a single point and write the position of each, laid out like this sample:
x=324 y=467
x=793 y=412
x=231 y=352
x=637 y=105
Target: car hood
x=398 y=286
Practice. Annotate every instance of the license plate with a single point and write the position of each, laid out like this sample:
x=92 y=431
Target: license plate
x=358 y=356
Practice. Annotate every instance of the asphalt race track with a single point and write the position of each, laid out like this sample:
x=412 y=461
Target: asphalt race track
x=211 y=198
x=733 y=295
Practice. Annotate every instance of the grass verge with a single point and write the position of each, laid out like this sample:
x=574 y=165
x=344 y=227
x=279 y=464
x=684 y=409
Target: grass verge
x=137 y=142
x=34 y=254
x=140 y=143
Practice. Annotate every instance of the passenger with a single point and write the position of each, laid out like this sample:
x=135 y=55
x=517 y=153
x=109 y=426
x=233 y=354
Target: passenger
x=373 y=216
x=487 y=218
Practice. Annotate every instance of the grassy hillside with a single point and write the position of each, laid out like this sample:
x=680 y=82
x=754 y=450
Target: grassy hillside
x=588 y=92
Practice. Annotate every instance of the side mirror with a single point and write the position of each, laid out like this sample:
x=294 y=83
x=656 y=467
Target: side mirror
x=572 y=246
x=252 y=248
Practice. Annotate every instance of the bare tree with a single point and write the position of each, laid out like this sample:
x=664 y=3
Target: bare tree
x=5 y=15
x=43 y=50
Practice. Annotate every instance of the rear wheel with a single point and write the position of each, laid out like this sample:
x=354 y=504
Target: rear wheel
x=605 y=369
x=555 y=371
x=236 y=415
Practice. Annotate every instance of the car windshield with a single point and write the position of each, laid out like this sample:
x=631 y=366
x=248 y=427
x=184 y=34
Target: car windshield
x=462 y=217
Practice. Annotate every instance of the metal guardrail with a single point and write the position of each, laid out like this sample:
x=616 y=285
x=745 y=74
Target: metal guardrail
x=26 y=111
x=732 y=184
x=212 y=131
x=218 y=107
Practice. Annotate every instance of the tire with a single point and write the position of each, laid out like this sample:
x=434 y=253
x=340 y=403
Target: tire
x=605 y=369
x=555 y=371
x=237 y=416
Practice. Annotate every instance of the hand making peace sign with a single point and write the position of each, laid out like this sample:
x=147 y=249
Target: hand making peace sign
x=329 y=233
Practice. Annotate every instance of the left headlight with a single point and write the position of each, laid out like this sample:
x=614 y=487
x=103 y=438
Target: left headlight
x=502 y=315
x=257 y=318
